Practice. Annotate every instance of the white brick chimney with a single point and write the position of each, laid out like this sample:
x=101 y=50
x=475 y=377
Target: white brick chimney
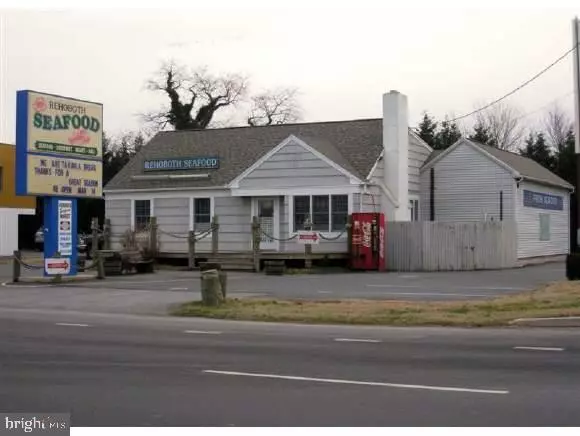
x=396 y=155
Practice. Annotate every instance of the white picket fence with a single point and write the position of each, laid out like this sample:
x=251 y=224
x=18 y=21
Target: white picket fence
x=439 y=246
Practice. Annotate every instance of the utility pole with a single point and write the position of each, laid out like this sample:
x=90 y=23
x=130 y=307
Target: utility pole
x=575 y=33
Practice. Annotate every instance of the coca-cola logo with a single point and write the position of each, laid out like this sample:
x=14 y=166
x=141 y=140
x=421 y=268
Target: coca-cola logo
x=366 y=234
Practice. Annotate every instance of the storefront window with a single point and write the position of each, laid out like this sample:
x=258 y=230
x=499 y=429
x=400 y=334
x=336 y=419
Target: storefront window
x=328 y=213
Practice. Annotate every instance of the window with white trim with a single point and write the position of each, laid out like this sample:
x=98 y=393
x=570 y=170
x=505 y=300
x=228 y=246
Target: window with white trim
x=201 y=214
x=414 y=209
x=142 y=214
x=327 y=213
x=544 y=227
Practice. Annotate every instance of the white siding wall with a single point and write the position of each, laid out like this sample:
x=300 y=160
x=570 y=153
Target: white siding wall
x=8 y=231
x=119 y=212
x=291 y=166
x=235 y=220
x=467 y=188
x=369 y=201
x=418 y=154
x=172 y=217
x=529 y=244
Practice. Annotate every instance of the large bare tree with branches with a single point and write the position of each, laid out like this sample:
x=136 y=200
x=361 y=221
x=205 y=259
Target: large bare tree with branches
x=279 y=106
x=194 y=97
x=502 y=126
x=557 y=125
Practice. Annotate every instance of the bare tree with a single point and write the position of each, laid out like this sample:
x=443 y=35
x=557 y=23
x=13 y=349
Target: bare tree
x=194 y=96
x=278 y=106
x=558 y=126
x=503 y=127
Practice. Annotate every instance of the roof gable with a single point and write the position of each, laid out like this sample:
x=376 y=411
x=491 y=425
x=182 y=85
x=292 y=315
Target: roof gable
x=519 y=165
x=322 y=150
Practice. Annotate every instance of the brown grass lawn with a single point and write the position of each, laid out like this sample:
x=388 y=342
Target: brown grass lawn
x=558 y=299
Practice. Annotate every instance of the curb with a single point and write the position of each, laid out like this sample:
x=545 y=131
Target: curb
x=49 y=280
x=565 y=321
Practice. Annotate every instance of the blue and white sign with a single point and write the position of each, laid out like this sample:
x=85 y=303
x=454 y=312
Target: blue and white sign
x=177 y=164
x=539 y=200
x=59 y=154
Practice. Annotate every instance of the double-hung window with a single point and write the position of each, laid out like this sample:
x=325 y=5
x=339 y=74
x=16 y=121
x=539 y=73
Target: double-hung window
x=326 y=213
x=142 y=214
x=201 y=214
x=414 y=209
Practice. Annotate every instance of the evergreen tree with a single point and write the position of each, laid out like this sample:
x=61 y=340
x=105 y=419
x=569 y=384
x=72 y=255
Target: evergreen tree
x=565 y=159
x=481 y=134
x=448 y=135
x=428 y=130
x=537 y=148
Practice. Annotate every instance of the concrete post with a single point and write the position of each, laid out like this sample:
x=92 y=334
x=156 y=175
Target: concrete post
x=16 y=266
x=215 y=235
x=191 y=250
x=95 y=236
x=256 y=243
x=153 y=236
x=107 y=234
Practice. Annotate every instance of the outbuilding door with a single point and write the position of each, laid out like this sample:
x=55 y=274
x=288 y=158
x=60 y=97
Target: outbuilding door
x=267 y=209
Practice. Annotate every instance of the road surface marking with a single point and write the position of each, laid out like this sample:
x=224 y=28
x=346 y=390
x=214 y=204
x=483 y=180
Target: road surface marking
x=11 y=285
x=540 y=348
x=362 y=383
x=201 y=332
x=435 y=293
x=552 y=318
x=357 y=340
x=178 y=289
x=408 y=277
x=324 y=292
x=476 y=288
x=67 y=324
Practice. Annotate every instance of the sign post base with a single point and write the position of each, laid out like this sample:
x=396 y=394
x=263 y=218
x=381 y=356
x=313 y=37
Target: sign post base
x=60 y=236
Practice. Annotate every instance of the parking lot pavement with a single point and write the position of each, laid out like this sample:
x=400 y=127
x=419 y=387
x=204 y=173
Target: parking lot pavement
x=151 y=294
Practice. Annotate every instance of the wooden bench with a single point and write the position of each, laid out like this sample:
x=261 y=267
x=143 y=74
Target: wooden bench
x=117 y=262
x=274 y=267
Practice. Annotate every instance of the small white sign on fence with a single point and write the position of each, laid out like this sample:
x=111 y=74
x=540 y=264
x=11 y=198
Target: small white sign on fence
x=308 y=237
x=54 y=266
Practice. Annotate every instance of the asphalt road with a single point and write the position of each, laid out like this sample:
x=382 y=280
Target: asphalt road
x=120 y=370
x=151 y=294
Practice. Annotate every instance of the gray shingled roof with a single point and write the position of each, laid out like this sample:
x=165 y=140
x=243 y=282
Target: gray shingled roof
x=354 y=145
x=525 y=166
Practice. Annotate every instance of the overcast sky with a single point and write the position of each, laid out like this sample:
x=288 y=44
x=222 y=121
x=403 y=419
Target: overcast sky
x=445 y=60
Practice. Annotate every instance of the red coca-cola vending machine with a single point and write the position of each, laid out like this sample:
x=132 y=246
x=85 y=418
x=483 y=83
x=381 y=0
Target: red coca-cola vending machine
x=367 y=244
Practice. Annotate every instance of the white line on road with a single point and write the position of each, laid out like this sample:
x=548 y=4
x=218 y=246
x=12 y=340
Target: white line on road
x=201 y=332
x=436 y=293
x=324 y=292
x=427 y=286
x=178 y=289
x=374 y=341
x=362 y=383
x=66 y=324
x=540 y=348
